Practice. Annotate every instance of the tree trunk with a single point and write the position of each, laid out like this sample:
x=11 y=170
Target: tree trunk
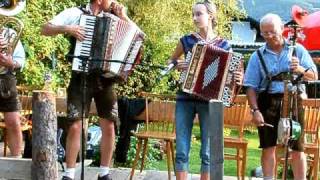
x=44 y=135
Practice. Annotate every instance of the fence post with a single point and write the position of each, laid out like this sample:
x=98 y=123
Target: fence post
x=44 y=136
x=216 y=139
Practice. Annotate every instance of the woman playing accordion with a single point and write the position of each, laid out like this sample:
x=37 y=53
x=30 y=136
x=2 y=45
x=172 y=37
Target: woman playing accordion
x=189 y=105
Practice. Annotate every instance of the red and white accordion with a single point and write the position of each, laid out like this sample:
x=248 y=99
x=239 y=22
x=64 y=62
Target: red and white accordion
x=111 y=45
x=210 y=73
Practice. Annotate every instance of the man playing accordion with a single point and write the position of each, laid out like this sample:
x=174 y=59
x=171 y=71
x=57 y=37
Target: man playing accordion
x=98 y=87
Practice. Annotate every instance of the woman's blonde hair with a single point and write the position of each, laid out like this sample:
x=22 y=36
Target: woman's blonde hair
x=211 y=9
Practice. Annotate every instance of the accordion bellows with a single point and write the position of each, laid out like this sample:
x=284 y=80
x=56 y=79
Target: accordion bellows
x=111 y=45
x=210 y=73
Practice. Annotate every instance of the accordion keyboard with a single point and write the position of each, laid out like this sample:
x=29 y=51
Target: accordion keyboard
x=110 y=45
x=83 y=48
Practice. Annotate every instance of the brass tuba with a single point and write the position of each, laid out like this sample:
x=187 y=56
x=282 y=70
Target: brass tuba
x=10 y=27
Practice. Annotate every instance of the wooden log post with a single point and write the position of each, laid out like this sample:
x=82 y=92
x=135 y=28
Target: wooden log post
x=44 y=136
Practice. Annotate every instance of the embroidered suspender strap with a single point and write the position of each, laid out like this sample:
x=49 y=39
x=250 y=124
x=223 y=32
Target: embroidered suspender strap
x=279 y=77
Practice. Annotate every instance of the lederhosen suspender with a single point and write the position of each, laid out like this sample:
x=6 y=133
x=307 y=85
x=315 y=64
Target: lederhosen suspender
x=264 y=67
x=278 y=77
x=264 y=98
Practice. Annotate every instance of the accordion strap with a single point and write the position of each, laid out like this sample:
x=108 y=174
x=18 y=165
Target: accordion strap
x=214 y=41
x=83 y=9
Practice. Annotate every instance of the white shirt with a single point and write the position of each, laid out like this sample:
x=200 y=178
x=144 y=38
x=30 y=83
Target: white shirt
x=70 y=16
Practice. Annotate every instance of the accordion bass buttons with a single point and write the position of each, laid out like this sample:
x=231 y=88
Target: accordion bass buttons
x=226 y=97
x=230 y=86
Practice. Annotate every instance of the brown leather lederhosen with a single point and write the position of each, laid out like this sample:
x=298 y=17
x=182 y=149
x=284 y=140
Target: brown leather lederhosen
x=270 y=107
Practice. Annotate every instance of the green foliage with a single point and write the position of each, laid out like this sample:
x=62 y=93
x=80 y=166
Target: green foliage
x=152 y=157
x=43 y=52
x=163 y=22
x=230 y=166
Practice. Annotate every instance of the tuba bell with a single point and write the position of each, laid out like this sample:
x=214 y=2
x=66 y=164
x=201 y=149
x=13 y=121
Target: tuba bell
x=10 y=27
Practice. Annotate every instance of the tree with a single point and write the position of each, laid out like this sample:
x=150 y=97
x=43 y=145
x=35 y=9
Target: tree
x=163 y=22
x=44 y=54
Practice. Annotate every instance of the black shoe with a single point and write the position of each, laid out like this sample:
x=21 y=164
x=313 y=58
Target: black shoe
x=105 y=177
x=66 y=178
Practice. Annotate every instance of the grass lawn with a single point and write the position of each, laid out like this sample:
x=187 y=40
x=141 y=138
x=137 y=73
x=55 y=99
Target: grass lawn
x=230 y=168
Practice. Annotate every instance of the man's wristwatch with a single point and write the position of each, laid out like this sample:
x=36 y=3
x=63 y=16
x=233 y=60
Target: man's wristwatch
x=253 y=110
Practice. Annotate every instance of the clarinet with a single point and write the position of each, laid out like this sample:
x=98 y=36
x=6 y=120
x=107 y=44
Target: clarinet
x=290 y=103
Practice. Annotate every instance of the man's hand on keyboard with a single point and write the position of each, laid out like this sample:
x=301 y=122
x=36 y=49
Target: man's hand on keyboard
x=76 y=31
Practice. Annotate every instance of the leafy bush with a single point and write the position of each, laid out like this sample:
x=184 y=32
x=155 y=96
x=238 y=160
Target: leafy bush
x=44 y=52
x=163 y=22
x=153 y=155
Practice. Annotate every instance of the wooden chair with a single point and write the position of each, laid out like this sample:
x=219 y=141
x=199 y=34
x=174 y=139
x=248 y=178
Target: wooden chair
x=311 y=109
x=25 y=97
x=234 y=118
x=159 y=116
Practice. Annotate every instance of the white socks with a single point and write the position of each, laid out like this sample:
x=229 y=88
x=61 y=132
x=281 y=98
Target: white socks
x=17 y=156
x=70 y=172
x=104 y=170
